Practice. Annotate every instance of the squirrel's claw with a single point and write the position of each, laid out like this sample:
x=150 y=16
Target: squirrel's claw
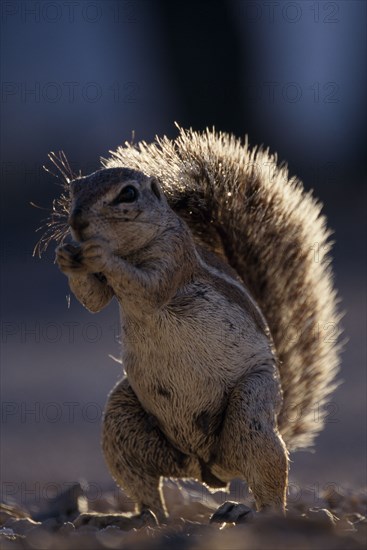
x=68 y=258
x=90 y=256
x=95 y=255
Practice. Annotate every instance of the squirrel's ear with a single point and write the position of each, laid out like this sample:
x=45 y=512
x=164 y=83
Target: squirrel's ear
x=154 y=185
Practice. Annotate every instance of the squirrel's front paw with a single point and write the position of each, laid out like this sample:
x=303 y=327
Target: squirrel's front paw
x=94 y=255
x=69 y=259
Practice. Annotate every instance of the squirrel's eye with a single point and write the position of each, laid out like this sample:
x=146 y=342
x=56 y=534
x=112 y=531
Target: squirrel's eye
x=127 y=194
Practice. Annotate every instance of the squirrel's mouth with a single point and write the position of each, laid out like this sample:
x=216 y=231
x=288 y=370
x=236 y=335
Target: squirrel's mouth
x=78 y=235
x=78 y=223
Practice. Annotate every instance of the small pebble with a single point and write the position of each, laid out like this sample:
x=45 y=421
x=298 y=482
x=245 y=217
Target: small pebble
x=7 y=532
x=323 y=516
x=22 y=526
x=66 y=528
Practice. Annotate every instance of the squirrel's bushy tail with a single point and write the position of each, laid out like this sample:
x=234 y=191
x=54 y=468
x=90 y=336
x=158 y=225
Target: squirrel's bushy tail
x=240 y=201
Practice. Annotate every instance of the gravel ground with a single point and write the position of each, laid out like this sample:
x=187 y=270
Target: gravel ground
x=335 y=521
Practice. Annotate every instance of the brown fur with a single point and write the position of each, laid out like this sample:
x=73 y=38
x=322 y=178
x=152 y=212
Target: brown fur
x=214 y=380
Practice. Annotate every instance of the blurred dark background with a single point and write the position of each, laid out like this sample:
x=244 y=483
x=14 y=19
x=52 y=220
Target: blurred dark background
x=82 y=76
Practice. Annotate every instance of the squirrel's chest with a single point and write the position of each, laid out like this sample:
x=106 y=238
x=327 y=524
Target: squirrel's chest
x=186 y=346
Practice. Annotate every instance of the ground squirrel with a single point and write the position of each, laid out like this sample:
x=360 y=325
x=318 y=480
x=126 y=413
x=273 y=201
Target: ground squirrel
x=229 y=322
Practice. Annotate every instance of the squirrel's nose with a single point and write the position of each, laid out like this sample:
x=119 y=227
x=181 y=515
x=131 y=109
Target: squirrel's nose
x=77 y=220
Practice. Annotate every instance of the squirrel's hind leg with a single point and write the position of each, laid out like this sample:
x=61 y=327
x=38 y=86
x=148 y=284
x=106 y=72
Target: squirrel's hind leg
x=137 y=452
x=250 y=446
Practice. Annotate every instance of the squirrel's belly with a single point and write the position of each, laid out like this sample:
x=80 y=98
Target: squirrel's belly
x=190 y=416
x=182 y=372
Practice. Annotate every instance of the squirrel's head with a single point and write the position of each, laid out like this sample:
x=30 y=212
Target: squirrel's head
x=123 y=206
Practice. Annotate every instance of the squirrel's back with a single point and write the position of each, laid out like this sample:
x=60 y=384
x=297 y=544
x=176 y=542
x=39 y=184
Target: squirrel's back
x=240 y=204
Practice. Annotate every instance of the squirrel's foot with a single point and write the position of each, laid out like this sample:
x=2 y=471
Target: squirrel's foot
x=95 y=255
x=232 y=512
x=68 y=258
